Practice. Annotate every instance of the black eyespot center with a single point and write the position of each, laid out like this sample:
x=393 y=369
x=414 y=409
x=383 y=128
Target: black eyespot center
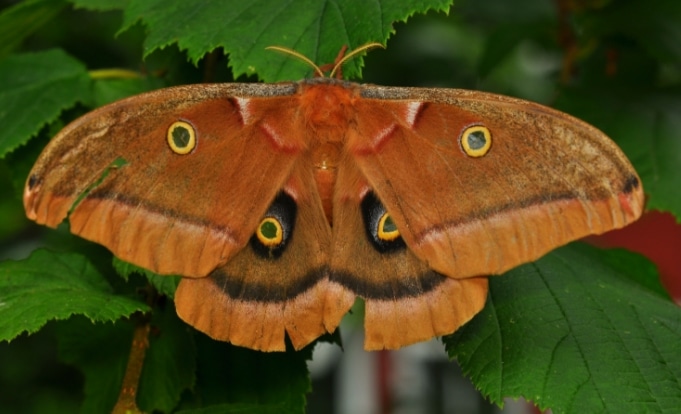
x=181 y=137
x=270 y=232
x=476 y=140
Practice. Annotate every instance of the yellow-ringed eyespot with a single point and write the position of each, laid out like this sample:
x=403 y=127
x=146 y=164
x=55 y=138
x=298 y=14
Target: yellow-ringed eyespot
x=181 y=137
x=276 y=228
x=387 y=230
x=269 y=232
x=476 y=141
x=381 y=230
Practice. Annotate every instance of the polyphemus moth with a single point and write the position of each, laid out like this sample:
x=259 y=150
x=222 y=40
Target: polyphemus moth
x=280 y=203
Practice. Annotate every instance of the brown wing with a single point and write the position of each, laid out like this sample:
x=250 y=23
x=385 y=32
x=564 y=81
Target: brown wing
x=264 y=293
x=164 y=211
x=405 y=300
x=547 y=178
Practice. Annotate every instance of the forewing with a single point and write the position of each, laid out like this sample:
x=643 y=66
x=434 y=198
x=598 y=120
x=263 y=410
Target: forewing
x=161 y=210
x=547 y=179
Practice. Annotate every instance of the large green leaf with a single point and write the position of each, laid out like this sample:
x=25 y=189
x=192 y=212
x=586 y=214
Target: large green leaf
x=571 y=334
x=49 y=286
x=316 y=28
x=36 y=87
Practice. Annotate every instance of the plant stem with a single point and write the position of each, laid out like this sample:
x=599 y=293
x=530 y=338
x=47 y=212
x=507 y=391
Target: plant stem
x=127 y=398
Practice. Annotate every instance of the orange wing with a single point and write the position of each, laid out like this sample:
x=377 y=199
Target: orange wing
x=264 y=293
x=546 y=179
x=406 y=301
x=165 y=211
x=433 y=188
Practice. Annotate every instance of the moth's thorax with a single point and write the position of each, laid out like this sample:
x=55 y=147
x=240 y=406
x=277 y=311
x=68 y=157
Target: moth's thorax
x=326 y=106
x=328 y=110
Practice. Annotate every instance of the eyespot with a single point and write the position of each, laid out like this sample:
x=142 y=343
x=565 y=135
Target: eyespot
x=269 y=232
x=476 y=141
x=387 y=230
x=380 y=228
x=181 y=137
x=276 y=228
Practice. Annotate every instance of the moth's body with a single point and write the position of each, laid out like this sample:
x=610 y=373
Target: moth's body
x=282 y=203
x=326 y=107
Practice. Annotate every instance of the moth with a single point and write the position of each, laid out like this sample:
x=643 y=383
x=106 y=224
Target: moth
x=279 y=204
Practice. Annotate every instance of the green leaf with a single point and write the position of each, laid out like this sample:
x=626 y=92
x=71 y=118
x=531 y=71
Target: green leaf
x=12 y=213
x=49 y=286
x=110 y=90
x=36 y=88
x=641 y=272
x=170 y=362
x=23 y=19
x=570 y=333
x=315 y=28
x=166 y=285
x=646 y=127
x=101 y=352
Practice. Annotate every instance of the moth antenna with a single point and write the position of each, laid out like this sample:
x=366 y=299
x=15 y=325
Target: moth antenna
x=340 y=60
x=352 y=54
x=298 y=56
